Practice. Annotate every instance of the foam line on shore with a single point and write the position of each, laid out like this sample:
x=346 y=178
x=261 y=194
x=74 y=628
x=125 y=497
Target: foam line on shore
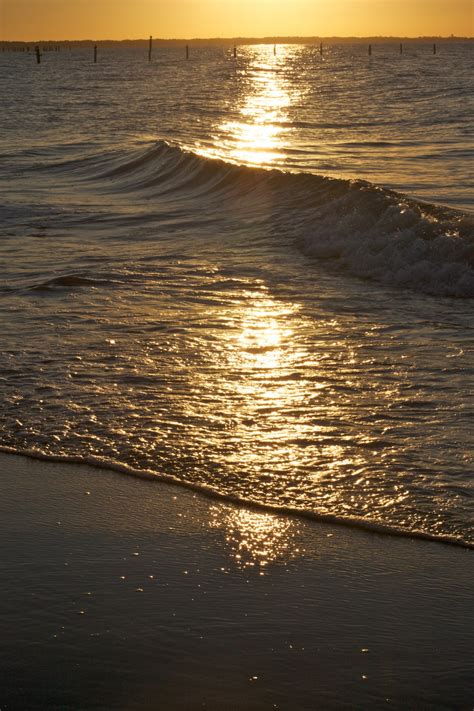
x=209 y=492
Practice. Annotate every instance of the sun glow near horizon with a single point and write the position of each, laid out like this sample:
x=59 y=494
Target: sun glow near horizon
x=119 y=19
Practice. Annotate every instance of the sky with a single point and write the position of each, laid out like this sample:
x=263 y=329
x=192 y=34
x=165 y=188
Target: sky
x=120 y=19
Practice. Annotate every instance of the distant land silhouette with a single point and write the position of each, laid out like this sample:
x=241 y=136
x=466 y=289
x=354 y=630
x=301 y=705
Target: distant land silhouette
x=218 y=41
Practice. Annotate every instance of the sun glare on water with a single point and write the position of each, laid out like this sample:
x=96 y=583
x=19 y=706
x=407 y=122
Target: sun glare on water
x=257 y=539
x=258 y=136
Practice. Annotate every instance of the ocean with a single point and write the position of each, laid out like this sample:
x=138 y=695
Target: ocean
x=251 y=275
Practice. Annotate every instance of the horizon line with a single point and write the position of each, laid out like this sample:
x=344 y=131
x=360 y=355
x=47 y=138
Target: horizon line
x=297 y=39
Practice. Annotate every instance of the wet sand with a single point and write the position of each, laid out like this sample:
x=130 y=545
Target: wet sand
x=122 y=593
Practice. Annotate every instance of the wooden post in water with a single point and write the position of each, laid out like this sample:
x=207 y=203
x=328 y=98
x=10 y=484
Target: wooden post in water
x=370 y=50
x=150 y=47
x=401 y=48
x=38 y=54
x=95 y=54
x=235 y=51
x=274 y=49
x=321 y=49
x=434 y=49
x=187 y=51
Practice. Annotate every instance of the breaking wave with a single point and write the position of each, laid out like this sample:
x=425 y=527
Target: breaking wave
x=369 y=231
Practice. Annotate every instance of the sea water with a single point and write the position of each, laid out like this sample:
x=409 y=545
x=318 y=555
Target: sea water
x=251 y=275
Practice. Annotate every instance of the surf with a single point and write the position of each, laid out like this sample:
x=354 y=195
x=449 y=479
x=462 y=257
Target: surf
x=352 y=225
x=364 y=524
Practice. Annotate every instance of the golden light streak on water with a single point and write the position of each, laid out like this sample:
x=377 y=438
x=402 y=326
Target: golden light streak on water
x=264 y=352
x=264 y=333
x=260 y=134
x=257 y=539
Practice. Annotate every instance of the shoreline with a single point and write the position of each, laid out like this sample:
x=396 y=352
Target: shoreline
x=121 y=593
x=209 y=493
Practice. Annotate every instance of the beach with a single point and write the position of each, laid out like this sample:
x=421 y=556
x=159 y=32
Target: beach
x=124 y=593
x=236 y=446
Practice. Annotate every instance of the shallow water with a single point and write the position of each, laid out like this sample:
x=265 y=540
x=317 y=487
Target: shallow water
x=302 y=341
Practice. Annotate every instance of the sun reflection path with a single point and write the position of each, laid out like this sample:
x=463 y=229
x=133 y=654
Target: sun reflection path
x=257 y=539
x=264 y=354
x=284 y=400
x=262 y=334
x=260 y=382
x=259 y=135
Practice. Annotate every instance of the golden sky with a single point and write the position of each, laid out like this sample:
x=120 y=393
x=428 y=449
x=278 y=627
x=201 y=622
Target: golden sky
x=119 y=19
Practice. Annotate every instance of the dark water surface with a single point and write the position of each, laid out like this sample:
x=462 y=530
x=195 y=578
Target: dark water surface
x=171 y=302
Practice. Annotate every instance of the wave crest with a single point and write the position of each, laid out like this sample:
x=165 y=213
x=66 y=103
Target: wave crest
x=369 y=231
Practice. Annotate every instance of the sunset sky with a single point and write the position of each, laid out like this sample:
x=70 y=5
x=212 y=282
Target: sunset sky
x=119 y=19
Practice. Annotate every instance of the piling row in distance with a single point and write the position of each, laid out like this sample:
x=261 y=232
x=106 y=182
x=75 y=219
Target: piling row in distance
x=150 y=50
